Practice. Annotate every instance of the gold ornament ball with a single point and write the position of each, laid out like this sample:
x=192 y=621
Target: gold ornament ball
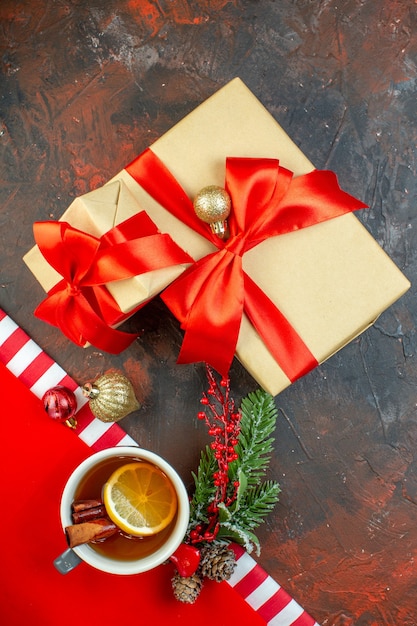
x=111 y=397
x=212 y=205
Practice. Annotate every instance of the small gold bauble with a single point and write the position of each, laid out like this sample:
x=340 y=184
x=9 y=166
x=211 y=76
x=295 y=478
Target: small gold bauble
x=111 y=397
x=212 y=205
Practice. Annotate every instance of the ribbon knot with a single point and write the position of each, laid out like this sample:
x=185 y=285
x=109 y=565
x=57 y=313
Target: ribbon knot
x=73 y=290
x=212 y=295
x=237 y=244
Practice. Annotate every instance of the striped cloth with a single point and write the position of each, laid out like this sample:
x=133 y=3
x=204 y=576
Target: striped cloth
x=39 y=372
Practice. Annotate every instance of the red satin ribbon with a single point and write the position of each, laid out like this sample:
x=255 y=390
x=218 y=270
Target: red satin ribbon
x=210 y=297
x=80 y=304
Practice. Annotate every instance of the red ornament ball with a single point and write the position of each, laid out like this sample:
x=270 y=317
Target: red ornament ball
x=186 y=558
x=60 y=403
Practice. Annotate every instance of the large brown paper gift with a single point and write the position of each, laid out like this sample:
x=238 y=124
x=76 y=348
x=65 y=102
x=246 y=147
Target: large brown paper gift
x=331 y=280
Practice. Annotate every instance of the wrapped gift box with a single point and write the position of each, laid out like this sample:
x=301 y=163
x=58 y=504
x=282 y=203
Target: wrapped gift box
x=96 y=213
x=331 y=280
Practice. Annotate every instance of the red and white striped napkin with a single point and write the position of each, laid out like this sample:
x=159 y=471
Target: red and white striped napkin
x=39 y=372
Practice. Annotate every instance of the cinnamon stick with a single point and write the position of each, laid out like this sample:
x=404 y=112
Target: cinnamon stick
x=82 y=505
x=86 y=532
x=86 y=515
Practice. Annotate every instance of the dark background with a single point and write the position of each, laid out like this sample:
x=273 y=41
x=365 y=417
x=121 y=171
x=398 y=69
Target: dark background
x=85 y=87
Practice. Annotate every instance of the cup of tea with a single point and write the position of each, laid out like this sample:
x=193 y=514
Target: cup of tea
x=102 y=492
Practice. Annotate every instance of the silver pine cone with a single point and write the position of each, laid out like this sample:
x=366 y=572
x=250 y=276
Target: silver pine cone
x=186 y=589
x=217 y=562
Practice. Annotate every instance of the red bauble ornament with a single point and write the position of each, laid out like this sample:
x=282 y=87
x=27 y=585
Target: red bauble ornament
x=186 y=559
x=61 y=404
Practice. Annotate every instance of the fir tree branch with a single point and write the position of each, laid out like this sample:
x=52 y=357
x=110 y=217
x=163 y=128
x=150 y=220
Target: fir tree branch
x=256 y=504
x=232 y=532
x=204 y=487
x=255 y=442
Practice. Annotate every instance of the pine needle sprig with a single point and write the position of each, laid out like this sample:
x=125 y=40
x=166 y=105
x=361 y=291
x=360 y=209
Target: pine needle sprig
x=238 y=522
x=254 y=448
x=256 y=504
x=204 y=488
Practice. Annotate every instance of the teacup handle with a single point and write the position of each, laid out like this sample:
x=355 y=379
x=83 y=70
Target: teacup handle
x=67 y=561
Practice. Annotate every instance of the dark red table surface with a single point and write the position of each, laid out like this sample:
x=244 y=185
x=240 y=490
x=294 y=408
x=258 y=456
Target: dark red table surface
x=87 y=86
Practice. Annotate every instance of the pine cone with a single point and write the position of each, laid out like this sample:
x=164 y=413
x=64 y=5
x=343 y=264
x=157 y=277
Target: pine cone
x=217 y=562
x=186 y=589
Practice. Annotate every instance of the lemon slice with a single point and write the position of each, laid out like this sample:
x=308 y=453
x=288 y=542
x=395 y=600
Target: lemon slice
x=140 y=499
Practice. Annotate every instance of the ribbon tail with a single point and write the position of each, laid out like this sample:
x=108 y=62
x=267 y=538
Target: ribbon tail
x=81 y=325
x=279 y=336
x=209 y=309
x=109 y=339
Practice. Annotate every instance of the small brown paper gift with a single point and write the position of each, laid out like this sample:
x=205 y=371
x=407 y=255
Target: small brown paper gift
x=96 y=213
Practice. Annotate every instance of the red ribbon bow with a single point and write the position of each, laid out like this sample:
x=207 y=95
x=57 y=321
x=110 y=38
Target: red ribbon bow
x=210 y=297
x=80 y=304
